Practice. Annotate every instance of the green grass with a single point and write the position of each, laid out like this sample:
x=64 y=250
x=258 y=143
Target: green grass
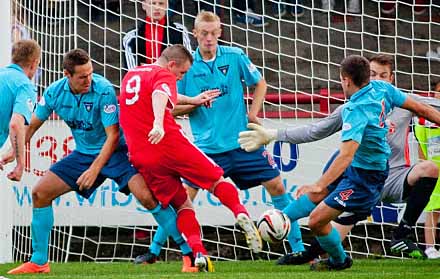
x=241 y=269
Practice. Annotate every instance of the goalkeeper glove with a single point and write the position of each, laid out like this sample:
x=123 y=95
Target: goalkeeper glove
x=258 y=136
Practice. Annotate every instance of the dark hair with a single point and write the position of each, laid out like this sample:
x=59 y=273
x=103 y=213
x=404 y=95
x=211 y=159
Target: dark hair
x=177 y=53
x=24 y=52
x=75 y=57
x=383 y=59
x=357 y=68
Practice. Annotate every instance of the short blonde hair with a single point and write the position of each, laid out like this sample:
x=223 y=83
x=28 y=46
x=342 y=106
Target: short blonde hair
x=25 y=52
x=205 y=16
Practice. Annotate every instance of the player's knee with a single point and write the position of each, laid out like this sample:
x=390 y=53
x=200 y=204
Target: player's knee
x=431 y=170
x=421 y=170
x=314 y=224
x=147 y=200
x=274 y=186
x=40 y=198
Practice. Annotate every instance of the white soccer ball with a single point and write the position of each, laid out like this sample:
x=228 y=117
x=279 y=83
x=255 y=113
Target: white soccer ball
x=273 y=225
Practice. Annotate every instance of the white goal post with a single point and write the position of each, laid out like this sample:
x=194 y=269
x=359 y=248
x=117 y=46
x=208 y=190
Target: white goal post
x=299 y=58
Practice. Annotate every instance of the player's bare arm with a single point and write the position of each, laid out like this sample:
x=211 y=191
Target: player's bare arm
x=257 y=102
x=423 y=110
x=160 y=101
x=35 y=124
x=87 y=178
x=342 y=161
x=17 y=136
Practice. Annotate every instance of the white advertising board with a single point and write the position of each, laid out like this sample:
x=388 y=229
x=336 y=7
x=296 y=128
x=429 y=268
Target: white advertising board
x=298 y=164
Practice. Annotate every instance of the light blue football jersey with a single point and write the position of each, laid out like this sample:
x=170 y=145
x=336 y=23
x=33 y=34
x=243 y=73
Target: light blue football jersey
x=216 y=129
x=17 y=95
x=364 y=122
x=87 y=114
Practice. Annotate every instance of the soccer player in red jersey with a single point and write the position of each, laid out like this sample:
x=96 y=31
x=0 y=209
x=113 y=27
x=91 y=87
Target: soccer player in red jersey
x=161 y=152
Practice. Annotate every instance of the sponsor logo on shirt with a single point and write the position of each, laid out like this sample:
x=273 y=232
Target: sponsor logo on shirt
x=30 y=104
x=346 y=126
x=109 y=108
x=199 y=75
x=224 y=69
x=88 y=106
x=79 y=125
x=223 y=88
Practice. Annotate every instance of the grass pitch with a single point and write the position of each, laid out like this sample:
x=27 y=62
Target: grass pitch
x=238 y=270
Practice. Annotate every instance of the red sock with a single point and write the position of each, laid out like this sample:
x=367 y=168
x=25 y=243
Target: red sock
x=228 y=196
x=187 y=224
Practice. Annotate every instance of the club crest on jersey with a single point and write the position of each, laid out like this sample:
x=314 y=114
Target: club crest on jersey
x=30 y=104
x=88 y=106
x=109 y=108
x=224 y=69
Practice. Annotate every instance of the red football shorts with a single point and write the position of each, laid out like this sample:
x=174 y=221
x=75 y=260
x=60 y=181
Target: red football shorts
x=164 y=164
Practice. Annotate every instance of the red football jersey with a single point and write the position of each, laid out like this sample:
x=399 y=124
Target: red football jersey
x=136 y=106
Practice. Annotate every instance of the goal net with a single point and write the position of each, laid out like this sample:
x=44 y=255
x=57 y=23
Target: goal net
x=299 y=55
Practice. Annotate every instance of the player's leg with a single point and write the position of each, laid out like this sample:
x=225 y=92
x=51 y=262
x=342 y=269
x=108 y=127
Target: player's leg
x=250 y=169
x=431 y=221
x=161 y=236
x=189 y=227
x=328 y=237
x=358 y=192
x=190 y=161
x=343 y=224
x=414 y=185
x=49 y=187
x=120 y=169
x=305 y=204
x=165 y=217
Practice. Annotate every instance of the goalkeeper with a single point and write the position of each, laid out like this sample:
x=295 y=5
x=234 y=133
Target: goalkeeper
x=87 y=104
x=411 y=183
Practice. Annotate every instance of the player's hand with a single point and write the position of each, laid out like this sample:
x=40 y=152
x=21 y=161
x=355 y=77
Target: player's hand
x=156 y=134
x=206 y=98
x=311 y=188
x=16 y=173
x=258 y=136
x=87 y=179
x=7 y=158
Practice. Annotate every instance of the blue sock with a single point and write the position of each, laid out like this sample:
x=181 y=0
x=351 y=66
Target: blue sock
x=299 y=208
x=332 y=244
x=294 y=237
x=166 y=218
x=42 y=222
x=158 y=241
